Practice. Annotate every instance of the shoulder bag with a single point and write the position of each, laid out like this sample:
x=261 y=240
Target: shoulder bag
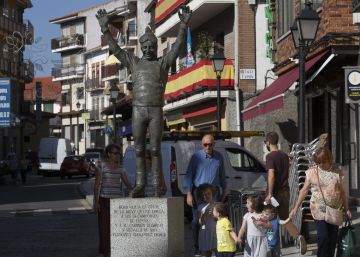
x=332 y=215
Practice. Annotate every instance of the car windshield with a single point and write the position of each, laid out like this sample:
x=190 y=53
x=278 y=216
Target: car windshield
x=240 y=160
x=92 y=155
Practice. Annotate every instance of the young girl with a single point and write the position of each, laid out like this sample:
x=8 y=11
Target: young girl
x=225 y=235
x=255 y=245
x=207 y=233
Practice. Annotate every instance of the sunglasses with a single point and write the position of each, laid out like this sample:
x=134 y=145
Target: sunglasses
x=208 y=145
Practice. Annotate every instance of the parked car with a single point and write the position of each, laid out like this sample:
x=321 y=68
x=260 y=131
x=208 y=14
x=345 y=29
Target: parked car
x=242 y=168
x=74 y=165
x=52 y=151
x=94 y=158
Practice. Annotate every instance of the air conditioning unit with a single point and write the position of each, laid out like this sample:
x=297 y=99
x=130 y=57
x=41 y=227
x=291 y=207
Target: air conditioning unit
x=252 y=2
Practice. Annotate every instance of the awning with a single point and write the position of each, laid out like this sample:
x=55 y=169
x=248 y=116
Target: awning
x=272 y=97
x=200 y=112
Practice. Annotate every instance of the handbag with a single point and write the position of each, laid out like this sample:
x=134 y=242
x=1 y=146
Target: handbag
x=349 y=241
x=332 y=215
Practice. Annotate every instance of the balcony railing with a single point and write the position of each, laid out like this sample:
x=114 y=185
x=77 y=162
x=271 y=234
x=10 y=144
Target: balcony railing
x=29 y=71
x=122 y=41
x=10 y=26
x=68 y=71
x=29 y=29
x=110 y=71
x=94 y=84
x=198 y=78
x=74 y=41
x=95 y=114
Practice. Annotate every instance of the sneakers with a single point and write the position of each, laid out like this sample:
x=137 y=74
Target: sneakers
x=301 y=244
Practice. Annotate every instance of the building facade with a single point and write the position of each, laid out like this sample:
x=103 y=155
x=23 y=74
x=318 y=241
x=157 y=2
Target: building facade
x=16 y=69
x=336 y=46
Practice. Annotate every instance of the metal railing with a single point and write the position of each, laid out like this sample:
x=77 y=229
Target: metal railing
x=95 y=83
x=11 y=26
x=29 y=29
x=77 y=70
x=73 y=40
x=110 y=70
x=29 y=71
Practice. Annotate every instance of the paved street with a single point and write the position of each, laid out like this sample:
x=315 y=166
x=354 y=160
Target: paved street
x=46 y=217
x=51 y=217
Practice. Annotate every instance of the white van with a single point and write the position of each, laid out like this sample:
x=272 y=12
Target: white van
x=52 y=151
x=242 y=168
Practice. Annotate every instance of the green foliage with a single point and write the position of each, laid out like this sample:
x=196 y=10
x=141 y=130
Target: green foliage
x=204 y=44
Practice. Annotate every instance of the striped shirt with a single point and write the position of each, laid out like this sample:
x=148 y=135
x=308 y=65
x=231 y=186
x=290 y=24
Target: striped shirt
x=110 y=186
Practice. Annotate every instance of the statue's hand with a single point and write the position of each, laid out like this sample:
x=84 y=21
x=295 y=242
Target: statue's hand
x=103 y=19
x=184 y=14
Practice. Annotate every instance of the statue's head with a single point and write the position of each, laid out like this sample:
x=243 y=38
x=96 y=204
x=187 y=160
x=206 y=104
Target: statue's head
x=148 y=43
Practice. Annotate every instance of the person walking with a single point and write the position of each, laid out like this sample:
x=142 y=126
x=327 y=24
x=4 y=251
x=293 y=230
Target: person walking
x=277 y=166
x=205 y=166
x=255 y=243
x=225 y=236
x=13 y=165
x=108 y=179
x=326 y=183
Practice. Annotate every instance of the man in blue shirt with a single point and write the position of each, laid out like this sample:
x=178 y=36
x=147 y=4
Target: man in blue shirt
x=205 y=166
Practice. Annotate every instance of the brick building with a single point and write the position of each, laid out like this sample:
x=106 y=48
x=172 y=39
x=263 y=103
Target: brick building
x=336 y=46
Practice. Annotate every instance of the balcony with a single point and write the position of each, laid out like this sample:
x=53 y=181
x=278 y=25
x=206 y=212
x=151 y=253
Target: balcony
x=198 y=79
x=356 y=5
x=29 y=71
x=95 y=84
x=167 y=20
x=72 y=71
x=95 y=114
x=123 y=41
x=29 y=30
x=110 y=72
x=76 y=41
x=8 y=25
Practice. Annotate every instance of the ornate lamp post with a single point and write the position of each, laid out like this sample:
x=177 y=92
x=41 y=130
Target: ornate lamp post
x=304 y=33
x=218 y=61
x=78 y=126
x=114 y=93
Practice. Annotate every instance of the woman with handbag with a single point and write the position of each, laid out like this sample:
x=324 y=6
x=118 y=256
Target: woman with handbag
x=328 y=200
x=108 y=179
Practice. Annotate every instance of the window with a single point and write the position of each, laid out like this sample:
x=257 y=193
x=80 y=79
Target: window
x=65 y=99
x=286 y=15
x=67 y=132
x=240 y=160
x=315 y=6
x=80 y=93
x=48 y=107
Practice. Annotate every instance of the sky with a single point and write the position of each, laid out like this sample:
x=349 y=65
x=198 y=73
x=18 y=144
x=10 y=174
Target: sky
x=39 y=15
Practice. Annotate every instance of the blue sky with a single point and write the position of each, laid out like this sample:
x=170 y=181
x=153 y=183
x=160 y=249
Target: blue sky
x=39 y=15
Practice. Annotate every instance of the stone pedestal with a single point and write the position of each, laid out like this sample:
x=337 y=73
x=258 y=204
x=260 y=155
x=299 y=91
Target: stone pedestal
x=147 y=227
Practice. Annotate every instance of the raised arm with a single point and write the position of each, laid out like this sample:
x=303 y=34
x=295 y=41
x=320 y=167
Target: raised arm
x=184 y=15
x=103 y=20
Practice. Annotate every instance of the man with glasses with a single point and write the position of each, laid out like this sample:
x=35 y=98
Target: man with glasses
x=205 y=166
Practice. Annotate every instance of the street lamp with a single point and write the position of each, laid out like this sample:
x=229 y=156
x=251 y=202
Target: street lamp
x=218 y=61
x=114 y=93
x=78 y=127
x=303 y=34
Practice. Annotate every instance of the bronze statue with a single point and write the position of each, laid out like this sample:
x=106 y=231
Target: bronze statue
x=150 y=76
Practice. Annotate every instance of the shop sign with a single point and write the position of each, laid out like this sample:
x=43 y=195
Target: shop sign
x=5 y=98
x=352 y=84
